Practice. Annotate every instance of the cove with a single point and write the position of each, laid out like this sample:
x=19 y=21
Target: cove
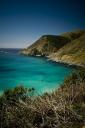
x=37 y=72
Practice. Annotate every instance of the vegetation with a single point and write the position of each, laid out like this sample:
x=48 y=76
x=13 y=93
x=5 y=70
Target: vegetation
x=74 y=35
x=45 y=45
x=67 y=48
x=64 y=108
x=73 y=52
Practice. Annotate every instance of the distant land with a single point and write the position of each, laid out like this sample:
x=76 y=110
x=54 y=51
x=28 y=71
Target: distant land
x=66 y=48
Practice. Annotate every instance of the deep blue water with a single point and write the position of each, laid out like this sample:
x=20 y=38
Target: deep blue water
x=36 y=72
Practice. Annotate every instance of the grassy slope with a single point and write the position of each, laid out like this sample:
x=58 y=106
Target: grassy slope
x=73 y=52
x=68 y=47
x=46 y=44
x=64 y=108
x=74 y=35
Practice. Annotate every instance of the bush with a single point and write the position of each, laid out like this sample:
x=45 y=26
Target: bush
x=64 y=108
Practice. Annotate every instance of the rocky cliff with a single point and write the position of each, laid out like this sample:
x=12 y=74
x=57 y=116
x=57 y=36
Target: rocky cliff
x=66 y=48
x=72 y=53
x=46 y=45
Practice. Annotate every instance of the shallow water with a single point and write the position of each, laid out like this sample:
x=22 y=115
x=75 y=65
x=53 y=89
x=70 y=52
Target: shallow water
x=36 y=72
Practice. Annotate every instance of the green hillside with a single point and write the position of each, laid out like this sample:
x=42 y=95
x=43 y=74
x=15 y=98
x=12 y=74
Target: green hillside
x=73 y=35
x=73 y=52
x=45 y=45
x=66 y=48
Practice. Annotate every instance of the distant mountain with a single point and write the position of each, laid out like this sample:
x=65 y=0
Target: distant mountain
x=67 y=48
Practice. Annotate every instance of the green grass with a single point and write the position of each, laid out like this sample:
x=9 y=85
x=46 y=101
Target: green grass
x=46 y=45
x=68 y=47
x=73 y=52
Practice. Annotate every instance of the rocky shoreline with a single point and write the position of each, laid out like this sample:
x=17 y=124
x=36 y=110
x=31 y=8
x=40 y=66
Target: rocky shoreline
x=68 y=48
x=58 y=61
x=67 y=64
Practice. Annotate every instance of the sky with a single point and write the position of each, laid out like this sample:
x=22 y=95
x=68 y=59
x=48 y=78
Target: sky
x=24 y=21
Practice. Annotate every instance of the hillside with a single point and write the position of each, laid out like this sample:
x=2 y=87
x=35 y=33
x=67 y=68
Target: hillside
x=73 y=35
x=66 y=48
x=45 y=45
x=72 y=53
x=63 y=108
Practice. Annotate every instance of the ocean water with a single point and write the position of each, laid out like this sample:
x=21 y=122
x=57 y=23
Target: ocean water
x=36 y=72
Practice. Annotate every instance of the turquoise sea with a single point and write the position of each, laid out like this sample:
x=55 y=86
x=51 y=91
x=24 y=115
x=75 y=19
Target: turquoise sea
x=36 y=72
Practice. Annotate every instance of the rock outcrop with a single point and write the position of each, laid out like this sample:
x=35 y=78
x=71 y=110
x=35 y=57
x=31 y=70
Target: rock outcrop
x=46 y=45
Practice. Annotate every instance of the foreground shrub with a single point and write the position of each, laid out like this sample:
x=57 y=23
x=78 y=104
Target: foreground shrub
x=64 y=108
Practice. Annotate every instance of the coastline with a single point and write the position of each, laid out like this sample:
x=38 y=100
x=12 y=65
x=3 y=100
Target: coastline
x=66 y=63
x=73 y=65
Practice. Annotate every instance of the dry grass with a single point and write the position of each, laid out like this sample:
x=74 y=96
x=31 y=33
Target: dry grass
x=64 y=108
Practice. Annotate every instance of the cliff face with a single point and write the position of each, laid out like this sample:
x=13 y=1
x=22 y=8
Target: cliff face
x=72 y=53
x=67 y=48
x=46 y=45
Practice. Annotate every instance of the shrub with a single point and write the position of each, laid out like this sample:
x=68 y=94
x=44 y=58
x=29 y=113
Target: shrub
x=63 y=108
